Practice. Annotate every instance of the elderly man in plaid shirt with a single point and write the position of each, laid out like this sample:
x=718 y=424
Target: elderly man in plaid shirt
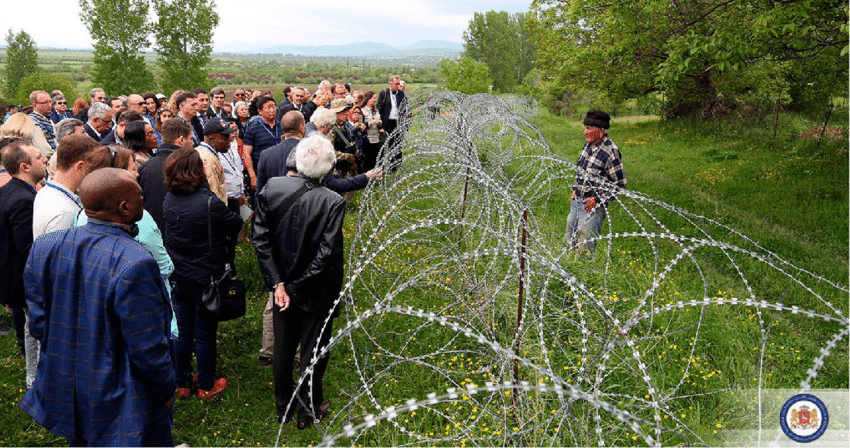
x=599 y=179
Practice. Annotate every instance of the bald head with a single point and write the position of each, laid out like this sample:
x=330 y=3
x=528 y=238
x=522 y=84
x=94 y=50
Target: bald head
x=291 y=122
x=112 y=195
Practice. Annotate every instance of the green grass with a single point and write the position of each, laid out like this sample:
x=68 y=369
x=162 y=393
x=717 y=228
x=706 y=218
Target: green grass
x=788 y=197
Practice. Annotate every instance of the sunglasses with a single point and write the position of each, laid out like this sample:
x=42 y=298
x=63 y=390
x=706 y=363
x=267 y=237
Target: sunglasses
x=62 y=102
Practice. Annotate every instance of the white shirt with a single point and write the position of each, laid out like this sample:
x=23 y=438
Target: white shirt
x=232 y=165
x=394 y=110
x=55 y=208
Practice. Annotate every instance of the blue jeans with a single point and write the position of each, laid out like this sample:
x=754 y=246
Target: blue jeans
x=193 y=328
x=584 y=227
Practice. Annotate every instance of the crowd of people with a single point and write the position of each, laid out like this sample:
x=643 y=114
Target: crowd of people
x=104 y=261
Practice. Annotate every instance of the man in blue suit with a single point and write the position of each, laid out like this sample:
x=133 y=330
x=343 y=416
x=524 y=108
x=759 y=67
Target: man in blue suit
x=99 y=309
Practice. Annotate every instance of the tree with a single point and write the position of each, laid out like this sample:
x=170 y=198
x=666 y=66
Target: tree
x=465 y=75
x=184 y=31
x=119 y=30
x=47 y=82
x=503 y=42
x=694 y=54
x=21 y=60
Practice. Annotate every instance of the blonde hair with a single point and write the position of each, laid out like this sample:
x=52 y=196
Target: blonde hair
x=21 y=125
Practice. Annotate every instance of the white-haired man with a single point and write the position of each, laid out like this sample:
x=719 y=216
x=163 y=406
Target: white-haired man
x=298 y=237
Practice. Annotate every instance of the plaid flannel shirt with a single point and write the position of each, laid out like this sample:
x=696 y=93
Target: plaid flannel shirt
x=600 y=163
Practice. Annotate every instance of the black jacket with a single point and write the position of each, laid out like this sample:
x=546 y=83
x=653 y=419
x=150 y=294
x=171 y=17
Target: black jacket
x=91 y=132
x=187 y=239
x=301 y=247
x=16 y=199
x=152 y=181
x=385 y=105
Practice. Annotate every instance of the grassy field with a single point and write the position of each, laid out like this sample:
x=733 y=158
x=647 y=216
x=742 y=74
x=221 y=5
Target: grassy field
x=783 y=193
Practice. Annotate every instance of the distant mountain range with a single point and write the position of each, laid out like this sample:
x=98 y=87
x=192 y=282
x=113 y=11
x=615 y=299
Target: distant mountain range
x=368 y=49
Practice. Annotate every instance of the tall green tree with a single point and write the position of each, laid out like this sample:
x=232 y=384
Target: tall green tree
x=119 y=29
x=503 y=42
x=697 y=55
x=466 y=75
x=184 y=32
x=21 y=60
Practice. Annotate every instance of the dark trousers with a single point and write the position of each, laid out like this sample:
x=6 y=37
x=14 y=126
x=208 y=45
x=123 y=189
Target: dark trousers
x=192 y=328
x=233 y=205
x=392 y=149
x=19 y=319
x=292 y=327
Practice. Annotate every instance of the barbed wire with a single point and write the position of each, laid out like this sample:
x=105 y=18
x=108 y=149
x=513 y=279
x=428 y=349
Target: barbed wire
x=471 y=228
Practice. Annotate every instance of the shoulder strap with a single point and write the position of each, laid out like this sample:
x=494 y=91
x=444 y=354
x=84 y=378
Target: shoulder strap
x=291 y=200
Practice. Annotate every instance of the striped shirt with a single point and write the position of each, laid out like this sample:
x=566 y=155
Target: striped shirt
x=260 y=136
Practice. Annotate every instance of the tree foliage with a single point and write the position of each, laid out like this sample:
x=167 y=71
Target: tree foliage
x=466 y=75
x=697 y=55
x=47 y=82
x=503 y=42
x=21 y=60
x=119 y=30
x=184 y=32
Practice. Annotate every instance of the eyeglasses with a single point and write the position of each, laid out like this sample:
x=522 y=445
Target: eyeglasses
x=42 y=102
x=239 y=94
x=137 y=104
x=62 y=102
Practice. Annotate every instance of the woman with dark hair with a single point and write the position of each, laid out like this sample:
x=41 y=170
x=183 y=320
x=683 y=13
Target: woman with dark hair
x=197 y=226
x=372 y=119
x=135 y=140
x=161 y=116
x=149 y=236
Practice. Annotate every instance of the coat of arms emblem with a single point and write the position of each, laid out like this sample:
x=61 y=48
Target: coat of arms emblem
x=803 y=418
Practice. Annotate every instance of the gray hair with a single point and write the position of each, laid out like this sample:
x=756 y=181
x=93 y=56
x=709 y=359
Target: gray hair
x=98 y=110
x=56 y=97
x=314 y=157
x=66 y=127
x=94 y=91
x=323 y=118
x=236 y=106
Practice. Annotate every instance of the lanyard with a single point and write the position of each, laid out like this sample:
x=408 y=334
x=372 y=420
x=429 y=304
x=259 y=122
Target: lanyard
x=227 y=156
x=65 y=192
x=276 y=135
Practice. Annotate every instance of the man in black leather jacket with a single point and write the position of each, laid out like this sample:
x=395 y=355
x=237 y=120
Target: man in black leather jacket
x=298 y=238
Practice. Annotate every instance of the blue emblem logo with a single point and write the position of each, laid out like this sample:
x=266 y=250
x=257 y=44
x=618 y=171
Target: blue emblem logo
x=803 y=418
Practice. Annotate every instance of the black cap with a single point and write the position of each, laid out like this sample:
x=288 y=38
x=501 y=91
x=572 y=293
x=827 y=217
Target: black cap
x=598 y=119
x=217 y=126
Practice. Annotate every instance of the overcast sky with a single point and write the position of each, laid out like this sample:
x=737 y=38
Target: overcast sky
x=56 y=23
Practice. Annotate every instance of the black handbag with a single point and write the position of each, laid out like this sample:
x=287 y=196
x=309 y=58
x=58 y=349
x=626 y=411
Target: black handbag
x=224 y=298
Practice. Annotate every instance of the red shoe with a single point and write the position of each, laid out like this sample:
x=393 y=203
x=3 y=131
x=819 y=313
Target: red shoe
x=184 y=393
x=218 y=387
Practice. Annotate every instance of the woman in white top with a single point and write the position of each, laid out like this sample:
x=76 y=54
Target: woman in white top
x=372 y=119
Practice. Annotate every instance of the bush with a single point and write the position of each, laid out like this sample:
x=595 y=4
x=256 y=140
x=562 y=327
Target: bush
x=46 y=82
